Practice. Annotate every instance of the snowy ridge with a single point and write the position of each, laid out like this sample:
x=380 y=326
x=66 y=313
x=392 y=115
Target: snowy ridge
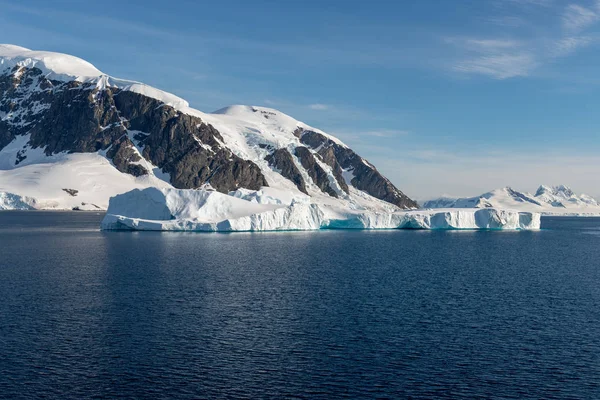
x=548 y=200
x=200 y=210
x=55 y=66
x=280 y=124
x=562 y=196
x=64 y=67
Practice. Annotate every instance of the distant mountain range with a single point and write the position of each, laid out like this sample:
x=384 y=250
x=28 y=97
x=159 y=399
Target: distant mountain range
x=549 y=200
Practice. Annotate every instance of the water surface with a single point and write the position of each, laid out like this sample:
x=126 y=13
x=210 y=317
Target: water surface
x=329 y=314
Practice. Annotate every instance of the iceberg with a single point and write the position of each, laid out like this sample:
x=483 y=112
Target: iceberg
x=169 y=209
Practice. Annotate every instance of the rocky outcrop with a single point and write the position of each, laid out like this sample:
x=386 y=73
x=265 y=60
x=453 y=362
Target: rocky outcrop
x=365 y=176
x=125 y=157
x=315 y=171
x=185 y=147
x=282 y=160
x=327 y=154
x=75 y=117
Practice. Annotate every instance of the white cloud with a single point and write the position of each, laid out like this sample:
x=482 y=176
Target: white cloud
x=499 y=66
x=577 y=18
x=542 y=3
x=387 y=133
x=568 y=45
x=507 y=21
x=492 y=44
x=504 y=58
x=319 y=107
x=496 y=58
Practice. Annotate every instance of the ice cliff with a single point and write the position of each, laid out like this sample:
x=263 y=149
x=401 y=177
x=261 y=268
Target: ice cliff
x=203 y=210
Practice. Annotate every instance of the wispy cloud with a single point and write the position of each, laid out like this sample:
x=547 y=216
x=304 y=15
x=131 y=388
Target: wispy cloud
x=319 y=107
x=492 y=44
x=576 y=18
x=507 y=21
x=387 y=133
x=543 y=3
x=501 y=66
x=496 y=58
x=510 y=57
x=566 y=46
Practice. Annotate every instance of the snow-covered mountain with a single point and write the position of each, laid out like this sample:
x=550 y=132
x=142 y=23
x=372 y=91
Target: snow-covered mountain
x=72 y=137
x=563 y=197
x=549 y=200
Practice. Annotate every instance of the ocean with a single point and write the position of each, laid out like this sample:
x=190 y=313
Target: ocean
x=327 y=314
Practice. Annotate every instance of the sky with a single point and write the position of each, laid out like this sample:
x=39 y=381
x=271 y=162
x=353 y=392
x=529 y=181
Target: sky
x=444 y=97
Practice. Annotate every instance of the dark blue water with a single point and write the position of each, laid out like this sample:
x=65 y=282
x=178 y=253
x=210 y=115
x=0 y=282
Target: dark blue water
x=329 y=314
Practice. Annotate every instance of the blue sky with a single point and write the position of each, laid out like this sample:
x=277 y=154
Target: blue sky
x=445 y=97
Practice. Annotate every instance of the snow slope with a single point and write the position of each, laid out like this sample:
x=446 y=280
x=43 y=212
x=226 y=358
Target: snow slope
x=84 y=181
x=548 y=200
x=55 y=66
x=563 y=197
x=200 y=210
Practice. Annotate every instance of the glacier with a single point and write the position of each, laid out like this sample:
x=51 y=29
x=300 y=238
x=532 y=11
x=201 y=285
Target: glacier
x=170 y=209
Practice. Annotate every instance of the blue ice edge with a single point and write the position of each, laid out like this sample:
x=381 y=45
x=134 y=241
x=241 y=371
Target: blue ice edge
x=334 y=225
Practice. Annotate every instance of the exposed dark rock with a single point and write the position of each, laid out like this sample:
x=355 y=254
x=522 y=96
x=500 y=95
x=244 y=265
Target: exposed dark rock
x=298 y=132
x=283 y=161
x=316 y=173
x=266 y=146
x=328 y=156
x=366 y=176
x=76 y=122
x=20 y=157
x=187 y=148
x=71 y=192
x=223 y=170
x=314 y=139
x=125 y=158
x=75 y=117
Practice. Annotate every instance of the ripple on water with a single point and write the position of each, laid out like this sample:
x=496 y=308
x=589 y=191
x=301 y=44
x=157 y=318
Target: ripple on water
x=325 y=314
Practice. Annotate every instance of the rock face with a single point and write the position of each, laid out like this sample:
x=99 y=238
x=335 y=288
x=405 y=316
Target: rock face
x=125 y=158
x=365 y=176
x=77 y=117
x=315 y=171
x=53 y=104
x=282 y=160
